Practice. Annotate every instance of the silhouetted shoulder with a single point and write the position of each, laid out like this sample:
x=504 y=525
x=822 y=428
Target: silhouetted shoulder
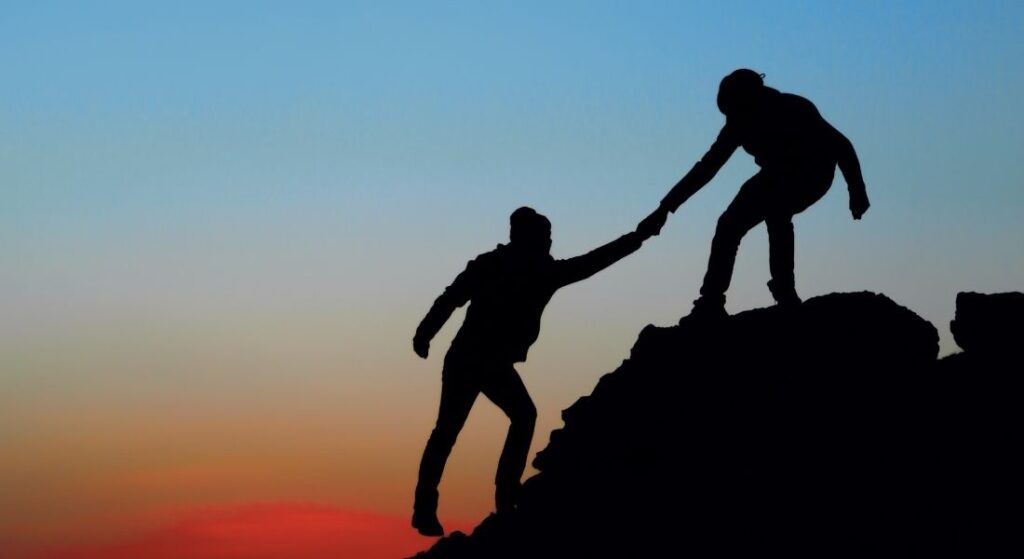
x=487 y=261
x=479 y=272
x=797 y=106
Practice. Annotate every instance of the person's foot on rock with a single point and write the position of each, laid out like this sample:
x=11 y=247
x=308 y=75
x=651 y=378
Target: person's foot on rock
x=506 y=497
x=707 y=309
x=784 y=296
x=426 y=523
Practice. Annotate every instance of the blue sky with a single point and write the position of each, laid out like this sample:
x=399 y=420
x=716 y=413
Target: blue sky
x=337 y=122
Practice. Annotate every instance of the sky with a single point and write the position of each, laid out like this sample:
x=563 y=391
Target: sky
x=222 y=222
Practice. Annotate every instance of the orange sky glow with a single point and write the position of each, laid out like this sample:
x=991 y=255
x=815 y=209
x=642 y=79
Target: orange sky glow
x=260 y=531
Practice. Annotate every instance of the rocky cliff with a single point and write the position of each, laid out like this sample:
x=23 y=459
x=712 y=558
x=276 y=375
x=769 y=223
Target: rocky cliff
x=828 y=429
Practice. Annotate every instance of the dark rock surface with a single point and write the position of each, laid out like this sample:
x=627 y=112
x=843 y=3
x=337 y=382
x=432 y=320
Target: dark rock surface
x=989 y=324
x=829 y=429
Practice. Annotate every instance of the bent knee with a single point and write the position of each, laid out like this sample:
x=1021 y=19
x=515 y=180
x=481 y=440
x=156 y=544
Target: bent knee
x=779 y=224
x=526 y=413
x=734 y=225
x=726 y=222
x=445 y=433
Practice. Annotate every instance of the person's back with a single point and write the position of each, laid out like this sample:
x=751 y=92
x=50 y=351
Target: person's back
x=510 y=289
x=788 y=132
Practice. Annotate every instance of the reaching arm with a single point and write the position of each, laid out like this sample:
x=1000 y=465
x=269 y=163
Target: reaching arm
x=582 y=267
x=703 y=171
x=849 y=165
x=454 y=296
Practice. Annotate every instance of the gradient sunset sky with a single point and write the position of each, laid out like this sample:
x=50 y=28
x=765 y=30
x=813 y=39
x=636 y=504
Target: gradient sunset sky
x=222 y=221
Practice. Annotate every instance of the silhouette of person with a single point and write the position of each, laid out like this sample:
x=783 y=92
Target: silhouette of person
x=507 y=289
x=797 y=151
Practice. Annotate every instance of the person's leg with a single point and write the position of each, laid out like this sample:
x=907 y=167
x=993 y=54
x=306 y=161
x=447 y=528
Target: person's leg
x=796 y=193
x=780 y=259
x=749 y=208
x=457 y=396
x=505 y=388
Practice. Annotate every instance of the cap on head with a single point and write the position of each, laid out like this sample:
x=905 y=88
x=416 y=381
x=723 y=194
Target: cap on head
x=738 y=90
x=527 y=227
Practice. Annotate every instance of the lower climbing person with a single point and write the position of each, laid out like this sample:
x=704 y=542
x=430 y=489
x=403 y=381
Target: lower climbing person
x=507 y=289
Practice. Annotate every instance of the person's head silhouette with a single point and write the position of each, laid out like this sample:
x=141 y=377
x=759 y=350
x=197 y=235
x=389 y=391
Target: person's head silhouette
x=530 y=230
x=739 y=92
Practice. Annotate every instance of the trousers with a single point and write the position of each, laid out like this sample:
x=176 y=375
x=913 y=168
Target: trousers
x=769 y=197
x=463 y=379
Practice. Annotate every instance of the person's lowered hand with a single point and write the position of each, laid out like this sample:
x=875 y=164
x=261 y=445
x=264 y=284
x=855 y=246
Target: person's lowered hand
x=421 y=347
x=859 y=204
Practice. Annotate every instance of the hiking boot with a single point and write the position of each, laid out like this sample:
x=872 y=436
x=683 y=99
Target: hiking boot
x=709 y=308
x=785 y=296
x=426 y=523
x=506 y=497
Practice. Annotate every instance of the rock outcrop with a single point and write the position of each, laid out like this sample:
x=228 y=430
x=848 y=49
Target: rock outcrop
x=989 y=325
x=827 y=429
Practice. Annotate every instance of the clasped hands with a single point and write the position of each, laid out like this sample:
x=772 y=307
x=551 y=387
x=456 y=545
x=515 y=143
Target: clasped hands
x=652 y=224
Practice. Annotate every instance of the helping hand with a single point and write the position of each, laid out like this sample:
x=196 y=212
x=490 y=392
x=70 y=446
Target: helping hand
x=421 y=347
x=652 y=224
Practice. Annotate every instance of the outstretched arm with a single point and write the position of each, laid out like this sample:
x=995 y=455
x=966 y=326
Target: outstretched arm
x=849 y=165
x=572 y=270
x=454 y=296
x=703 y=171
